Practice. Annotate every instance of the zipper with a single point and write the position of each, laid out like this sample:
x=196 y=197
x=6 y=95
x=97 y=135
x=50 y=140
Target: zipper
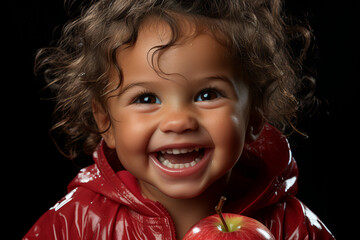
x=167 y=215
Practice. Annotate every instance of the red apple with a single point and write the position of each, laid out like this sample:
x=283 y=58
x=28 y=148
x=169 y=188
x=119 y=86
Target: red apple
x=228 y=226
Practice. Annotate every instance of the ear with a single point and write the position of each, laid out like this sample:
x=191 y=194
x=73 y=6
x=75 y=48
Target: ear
x=255 y=125
x=103 y=123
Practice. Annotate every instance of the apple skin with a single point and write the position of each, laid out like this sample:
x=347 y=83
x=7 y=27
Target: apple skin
x=240 y=227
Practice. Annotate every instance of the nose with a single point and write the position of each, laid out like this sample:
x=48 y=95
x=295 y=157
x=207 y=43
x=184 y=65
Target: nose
x=179 y=122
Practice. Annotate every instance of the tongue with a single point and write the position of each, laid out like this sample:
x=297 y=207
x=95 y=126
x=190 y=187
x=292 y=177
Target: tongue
x=182 y=158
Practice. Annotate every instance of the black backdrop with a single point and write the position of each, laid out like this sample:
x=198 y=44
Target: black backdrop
x=35 y=175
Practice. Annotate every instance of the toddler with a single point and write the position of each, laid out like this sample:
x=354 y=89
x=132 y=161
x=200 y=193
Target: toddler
x=179 y=102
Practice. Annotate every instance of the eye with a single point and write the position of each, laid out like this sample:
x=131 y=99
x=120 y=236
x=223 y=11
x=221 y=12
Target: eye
x=208 y=95
x=147 y=98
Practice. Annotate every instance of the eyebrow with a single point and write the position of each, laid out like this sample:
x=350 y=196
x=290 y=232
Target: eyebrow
x=218 y=77
x=132 y=85
x=223 y=78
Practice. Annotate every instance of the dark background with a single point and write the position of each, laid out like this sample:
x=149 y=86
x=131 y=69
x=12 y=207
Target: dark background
x=35 y=175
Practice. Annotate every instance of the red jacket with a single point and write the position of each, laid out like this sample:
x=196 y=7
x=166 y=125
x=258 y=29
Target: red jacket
x=104 y=201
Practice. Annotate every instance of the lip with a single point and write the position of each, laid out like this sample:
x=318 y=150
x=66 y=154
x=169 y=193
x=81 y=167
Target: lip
x=182 y=172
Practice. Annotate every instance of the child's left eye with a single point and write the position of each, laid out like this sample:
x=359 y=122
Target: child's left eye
x=208 y=95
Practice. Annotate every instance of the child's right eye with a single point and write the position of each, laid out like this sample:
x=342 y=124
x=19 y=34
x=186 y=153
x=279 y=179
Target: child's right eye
x=147 y=98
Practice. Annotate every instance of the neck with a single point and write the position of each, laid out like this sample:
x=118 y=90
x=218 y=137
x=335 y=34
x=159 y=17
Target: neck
x=186 y=212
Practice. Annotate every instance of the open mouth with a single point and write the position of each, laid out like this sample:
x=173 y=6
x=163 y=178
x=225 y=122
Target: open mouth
x=180 y=157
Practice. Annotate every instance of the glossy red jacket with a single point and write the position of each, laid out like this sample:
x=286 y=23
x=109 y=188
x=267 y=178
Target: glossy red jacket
x=104 y=200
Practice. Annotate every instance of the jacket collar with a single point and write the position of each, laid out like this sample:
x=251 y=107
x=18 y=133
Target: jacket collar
x=268 y=172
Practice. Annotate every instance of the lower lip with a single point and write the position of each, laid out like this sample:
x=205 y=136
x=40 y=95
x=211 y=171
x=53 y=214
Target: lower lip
x=183 y=172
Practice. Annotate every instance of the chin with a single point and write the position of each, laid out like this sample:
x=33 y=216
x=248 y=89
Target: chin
x=183 y=191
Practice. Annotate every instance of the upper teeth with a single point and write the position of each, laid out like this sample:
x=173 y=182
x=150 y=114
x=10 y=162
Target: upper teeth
x=179 y=150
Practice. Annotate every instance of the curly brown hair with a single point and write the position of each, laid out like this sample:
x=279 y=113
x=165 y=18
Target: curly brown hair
x=78 y=66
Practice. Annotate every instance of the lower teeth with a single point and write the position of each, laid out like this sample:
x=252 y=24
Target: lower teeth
x=168 y=164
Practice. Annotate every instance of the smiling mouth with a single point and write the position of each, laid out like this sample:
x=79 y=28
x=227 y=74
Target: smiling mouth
x=180 y=158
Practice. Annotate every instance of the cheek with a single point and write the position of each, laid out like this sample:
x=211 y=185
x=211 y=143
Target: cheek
x=231 y=135
x=131 y=137
x=228 y=133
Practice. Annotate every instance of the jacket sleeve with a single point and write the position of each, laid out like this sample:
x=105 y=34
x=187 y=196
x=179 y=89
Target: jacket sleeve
x=81 y=214
x=47 y=227
x=57 y=222
x=75 y=216
x=292 y=220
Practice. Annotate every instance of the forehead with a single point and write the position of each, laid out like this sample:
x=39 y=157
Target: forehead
x=193 y=53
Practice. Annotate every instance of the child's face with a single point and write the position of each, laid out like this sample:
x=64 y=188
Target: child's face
x=178 y=135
